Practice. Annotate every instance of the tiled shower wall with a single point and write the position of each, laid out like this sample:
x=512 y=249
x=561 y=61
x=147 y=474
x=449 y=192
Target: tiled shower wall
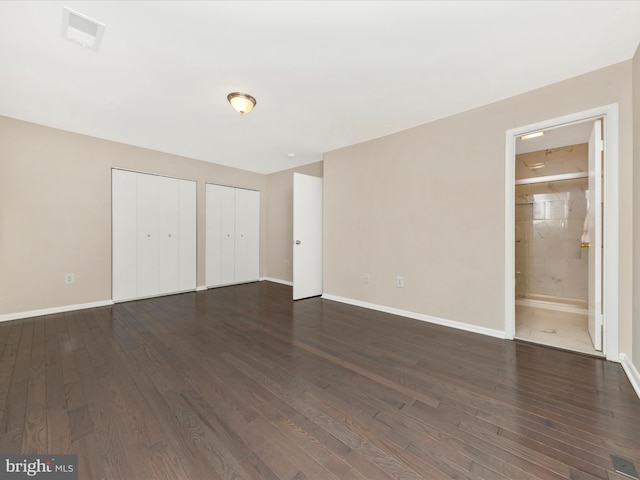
x=549 y=223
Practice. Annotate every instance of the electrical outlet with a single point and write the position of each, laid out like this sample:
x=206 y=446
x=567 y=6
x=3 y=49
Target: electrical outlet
x=287 y=263
x=366 y=278
x=69 y=278
x=400 y=282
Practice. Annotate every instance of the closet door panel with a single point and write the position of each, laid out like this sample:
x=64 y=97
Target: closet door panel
x=228 y=240
x=220 y=235
x=247 y=228
x=212 y=235
x=168 y=205
x=124 y=235
x=148 y=235
x=188 y=238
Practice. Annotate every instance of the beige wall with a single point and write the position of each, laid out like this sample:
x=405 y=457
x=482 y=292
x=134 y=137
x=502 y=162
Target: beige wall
x=636 y=202
x=280 y=225
x=55 y=211
x=428 y=204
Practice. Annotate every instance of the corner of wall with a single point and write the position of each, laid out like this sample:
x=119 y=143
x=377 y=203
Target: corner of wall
x=632 y=372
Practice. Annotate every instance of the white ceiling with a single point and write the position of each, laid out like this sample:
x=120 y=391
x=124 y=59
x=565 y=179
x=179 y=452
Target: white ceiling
x=326 y=74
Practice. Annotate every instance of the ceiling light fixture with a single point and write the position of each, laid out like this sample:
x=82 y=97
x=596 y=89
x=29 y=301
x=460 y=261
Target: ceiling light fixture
x=241 y=102
x=531 y=135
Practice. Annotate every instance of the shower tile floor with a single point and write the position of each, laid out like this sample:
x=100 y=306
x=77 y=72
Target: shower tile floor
x=569 y=331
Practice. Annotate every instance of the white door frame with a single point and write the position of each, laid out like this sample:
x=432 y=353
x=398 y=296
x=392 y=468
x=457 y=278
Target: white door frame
x=609 y=114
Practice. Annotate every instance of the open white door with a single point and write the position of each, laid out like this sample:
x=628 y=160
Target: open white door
x=594 y=240
x=307 y=236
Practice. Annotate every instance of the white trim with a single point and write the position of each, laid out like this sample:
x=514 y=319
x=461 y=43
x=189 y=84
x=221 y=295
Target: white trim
x=277 y=280
x=201 y=288
x=49 y=311
x=558 y=307
x=510 y=235
x=418 y=316
x=610 y=227
x=632 y=372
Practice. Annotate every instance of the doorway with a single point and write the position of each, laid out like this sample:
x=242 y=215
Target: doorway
x=552 y=287
x=552 y=245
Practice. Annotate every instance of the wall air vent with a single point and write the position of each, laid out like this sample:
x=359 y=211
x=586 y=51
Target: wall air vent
x=81 y=29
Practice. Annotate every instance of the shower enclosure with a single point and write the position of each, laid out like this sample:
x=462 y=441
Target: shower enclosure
x=551 y=206
x=550 y=264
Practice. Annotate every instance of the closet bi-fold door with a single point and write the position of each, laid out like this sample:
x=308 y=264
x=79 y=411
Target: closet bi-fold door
x=124 y=235
x=220 y=235
x=187 y=230
x=154 y=196
x=154 y=235
x=232 y=235
x=247 y=227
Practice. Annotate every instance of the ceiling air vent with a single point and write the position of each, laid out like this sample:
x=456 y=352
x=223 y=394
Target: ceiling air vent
x=81 y=29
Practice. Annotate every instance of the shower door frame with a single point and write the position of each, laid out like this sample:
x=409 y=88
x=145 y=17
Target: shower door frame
x=610 y=268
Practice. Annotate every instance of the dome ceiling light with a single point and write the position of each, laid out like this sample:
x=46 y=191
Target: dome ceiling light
x=241 y=102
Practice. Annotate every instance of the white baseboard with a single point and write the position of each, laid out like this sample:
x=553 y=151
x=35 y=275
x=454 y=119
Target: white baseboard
x=277 y=280
x=49 y=311
x=201 y=288
x=419 y=316
x=632 y=372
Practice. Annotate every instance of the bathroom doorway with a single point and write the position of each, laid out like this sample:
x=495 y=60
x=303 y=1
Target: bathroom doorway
x=559 y=271
x=551 y=244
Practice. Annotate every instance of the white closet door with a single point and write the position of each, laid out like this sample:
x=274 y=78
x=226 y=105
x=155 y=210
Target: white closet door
x=154 y=235
x=124 y=234
x=213 y=234
x=220 y=207
x=149 y=195
x=247 y=228
x=168 y=214
x=188 y=238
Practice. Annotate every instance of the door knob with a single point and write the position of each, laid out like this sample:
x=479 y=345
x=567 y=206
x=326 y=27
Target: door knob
x=298 y=242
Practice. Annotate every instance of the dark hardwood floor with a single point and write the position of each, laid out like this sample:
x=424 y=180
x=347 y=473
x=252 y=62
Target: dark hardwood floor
x=242 y=383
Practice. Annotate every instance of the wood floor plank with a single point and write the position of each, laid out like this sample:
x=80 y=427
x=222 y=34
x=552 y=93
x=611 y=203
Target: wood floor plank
x=7 y=364
x=16 y=402
x=243 y=383
x=35 y=428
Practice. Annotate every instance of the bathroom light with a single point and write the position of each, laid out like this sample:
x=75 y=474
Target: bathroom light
x=241 y=102
x=531 y=135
